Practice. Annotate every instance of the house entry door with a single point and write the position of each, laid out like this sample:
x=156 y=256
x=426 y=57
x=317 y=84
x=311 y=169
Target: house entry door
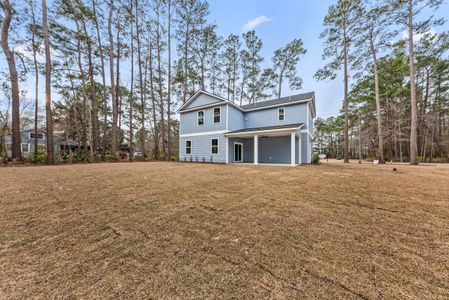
x=238 y=152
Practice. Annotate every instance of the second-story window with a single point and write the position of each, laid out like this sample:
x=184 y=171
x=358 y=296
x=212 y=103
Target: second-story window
x=201 y=117
x=217 y=115
x=281 y=114
x=40 y=136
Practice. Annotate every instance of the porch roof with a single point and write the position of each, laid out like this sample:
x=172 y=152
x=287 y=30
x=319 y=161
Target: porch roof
x=266 y=129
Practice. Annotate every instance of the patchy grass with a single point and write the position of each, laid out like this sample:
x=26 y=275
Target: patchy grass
x=172 y=230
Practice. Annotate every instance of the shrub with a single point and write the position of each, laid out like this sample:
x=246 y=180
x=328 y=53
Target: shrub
x=315 y=159
x=41 y=156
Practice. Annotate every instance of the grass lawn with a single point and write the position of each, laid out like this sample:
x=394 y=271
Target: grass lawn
x=173 y=230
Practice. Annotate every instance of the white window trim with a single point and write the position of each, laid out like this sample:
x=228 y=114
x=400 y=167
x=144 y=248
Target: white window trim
x=218 y=146
x=198 y=117
x=30 y=133
x=213 y=114
x=241 y=160
x=185 y=148
x=21 y=147
x=283 y=108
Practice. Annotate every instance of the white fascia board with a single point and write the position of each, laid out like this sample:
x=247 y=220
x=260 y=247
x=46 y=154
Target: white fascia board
x=263 y=131
x=203 y=133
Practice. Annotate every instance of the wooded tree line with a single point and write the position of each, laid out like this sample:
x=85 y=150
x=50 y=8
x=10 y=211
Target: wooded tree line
x=396 y=99
x=111 y=83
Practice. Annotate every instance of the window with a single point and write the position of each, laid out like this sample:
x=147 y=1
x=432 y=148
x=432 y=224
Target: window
x=214 y=146
x=188 y=147
x=8 y=147
x=217 y=115
x=201 y=117
x=281 y=114
x=40 y=136
x=25 y=148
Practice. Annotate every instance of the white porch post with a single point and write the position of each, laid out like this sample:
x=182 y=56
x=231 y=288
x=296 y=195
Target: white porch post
x=256 y=149
x=292 y=144
x=227 y=149
x=299 y=148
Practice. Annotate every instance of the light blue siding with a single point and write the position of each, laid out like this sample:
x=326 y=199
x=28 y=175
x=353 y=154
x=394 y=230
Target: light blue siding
x=296 y=113
x=236 y=119
x=189 y=121
x=248 y=149
x=274 y=150
x=304 y=148
x=202 y=99
x=202 y=148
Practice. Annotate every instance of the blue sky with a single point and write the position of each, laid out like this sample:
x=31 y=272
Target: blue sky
x=289 y=19
x=285 y=20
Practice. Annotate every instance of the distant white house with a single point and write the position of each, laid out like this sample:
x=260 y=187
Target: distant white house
x=215 y=129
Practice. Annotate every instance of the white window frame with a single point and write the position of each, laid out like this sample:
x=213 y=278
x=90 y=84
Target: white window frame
x=198 y=117
x=212 y=146
x=29 y=135
x=21 y=147
x=189 y=147
x=241 y=159
x=283 y=114
x=219 y=115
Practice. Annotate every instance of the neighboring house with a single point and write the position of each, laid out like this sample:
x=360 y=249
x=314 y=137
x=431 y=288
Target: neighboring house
x=27 y=143
x=215 y=129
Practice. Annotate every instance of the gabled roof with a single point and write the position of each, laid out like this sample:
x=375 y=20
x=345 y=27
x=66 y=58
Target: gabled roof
x=298 y=98
x=283 y=100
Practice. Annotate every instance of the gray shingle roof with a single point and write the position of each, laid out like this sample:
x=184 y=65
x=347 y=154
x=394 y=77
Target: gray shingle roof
x=283 y=100
x=287 y=126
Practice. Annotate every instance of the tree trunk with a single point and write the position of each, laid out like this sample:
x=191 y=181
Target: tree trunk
x=105 y=98
x=345 y=101
x=16 y=153
x=153 y=100
x=93 y=99
x=131 y=99
x=142 y=100
x=48 y=113
x=36 y=82
x=414 y=116
x=377 y=92
x=161 y=91
x=169 y=82
x=111 y=71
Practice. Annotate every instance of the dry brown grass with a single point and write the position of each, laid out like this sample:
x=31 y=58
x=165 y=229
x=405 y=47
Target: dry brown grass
x=172 y=230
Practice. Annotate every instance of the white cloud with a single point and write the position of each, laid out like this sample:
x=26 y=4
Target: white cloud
x=252 y=24
x=418 y=36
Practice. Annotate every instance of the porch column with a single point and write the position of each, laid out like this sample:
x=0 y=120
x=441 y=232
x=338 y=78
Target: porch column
x=292 y=145
x=299 y=148
x=256 y=149
x=227 y=149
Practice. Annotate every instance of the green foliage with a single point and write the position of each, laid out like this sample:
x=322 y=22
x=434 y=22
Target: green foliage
x=41 y=157
x=315 y=159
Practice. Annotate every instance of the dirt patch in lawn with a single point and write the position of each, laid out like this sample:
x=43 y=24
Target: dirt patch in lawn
x=173 y=230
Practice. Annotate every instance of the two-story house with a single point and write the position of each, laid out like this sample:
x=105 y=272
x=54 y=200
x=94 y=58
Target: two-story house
x=277 y=131
x=27 y=138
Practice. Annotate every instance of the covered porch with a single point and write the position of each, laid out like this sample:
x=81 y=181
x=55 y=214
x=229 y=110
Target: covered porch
x=265 y=145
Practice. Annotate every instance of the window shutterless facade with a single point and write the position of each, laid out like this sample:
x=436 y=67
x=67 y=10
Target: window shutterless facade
x=214 y=146
x=188 y=147
x=281 y=114
x=217 y=115
x=201 y=117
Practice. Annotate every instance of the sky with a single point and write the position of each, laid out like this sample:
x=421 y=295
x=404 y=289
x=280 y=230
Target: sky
x=280 y=21
x=276 y=22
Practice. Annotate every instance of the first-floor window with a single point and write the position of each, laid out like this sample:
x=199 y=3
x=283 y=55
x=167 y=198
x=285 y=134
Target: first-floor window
x=25 y=148
x=188 y=147
x=214 y=146
x=8 y=147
